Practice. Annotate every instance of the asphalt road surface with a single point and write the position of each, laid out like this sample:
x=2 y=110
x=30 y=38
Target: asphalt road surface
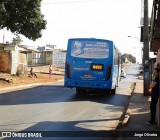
x=56 y=108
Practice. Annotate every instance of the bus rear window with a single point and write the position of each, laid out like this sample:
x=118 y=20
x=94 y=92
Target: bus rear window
x=89 y=49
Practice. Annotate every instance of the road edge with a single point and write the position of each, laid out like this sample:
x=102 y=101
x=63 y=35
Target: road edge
x=126 y=112
x=26 y=86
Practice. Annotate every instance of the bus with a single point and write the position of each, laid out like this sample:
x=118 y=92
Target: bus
x=92 y=64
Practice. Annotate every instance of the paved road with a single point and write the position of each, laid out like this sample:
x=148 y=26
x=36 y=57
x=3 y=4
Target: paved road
x=56 y=108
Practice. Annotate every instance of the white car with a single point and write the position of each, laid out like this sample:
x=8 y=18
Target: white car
x=123 y=73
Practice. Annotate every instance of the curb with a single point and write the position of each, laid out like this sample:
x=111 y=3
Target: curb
x=125 y=121
x=125 y=117
x=25 y=86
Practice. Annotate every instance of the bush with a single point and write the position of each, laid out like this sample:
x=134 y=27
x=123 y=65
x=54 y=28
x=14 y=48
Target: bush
x=19 y=72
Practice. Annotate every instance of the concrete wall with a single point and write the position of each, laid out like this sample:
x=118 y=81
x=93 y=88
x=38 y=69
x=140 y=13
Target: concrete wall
x=19 y=62
x=10 y=48
x=11 y=61
x=59 y=59
x=29 y=61
x=49 y=56
x=22 y=63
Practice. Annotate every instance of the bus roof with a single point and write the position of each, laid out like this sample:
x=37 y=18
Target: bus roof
x=89 y=39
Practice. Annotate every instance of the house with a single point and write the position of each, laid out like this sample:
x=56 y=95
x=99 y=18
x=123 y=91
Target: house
x=15 y=58
x=34 y=56
x=52 y=56
x=12 y=60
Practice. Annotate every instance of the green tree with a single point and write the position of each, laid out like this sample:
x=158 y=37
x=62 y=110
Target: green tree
x=129 y=57
x=22 y=17
x=16 y=41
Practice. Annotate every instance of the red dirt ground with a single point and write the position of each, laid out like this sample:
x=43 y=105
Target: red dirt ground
x=42 y=77
x=22 y=80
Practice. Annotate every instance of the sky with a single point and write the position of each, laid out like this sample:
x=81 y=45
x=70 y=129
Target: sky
x=104 y=19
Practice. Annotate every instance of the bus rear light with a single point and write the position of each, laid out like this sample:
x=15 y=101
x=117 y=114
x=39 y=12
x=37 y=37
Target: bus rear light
x=109 y=70
x=68 y=72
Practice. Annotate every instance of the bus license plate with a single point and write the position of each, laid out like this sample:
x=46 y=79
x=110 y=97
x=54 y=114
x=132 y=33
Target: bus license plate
x=87 y=75
x=86 y=84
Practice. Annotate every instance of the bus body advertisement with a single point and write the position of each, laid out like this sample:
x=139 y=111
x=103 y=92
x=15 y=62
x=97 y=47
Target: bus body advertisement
x=92 y=64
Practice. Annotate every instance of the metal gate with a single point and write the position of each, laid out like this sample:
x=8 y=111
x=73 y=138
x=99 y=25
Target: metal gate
x=5 y=62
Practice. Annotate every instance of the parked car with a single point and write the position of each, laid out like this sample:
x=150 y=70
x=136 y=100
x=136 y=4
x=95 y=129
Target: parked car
x=123 y=73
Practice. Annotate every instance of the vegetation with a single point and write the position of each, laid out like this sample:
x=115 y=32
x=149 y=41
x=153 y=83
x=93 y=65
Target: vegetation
x=129 y=57
x=16 y=41
x=19 y=72
x=22 y=17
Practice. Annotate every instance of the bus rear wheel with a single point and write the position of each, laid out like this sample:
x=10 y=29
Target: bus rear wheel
x=78 y=91
x=113 y=91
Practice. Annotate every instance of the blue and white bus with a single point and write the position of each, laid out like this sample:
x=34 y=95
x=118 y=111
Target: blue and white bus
x=92 y=64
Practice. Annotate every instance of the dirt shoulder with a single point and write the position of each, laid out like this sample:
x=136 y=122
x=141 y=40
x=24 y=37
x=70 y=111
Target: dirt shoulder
x=42 y=77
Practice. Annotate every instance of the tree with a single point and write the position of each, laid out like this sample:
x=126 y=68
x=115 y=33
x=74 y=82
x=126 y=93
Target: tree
x=129 y=58
x=16 y=41
x=22 y=17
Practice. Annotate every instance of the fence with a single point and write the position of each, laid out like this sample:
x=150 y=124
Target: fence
x=58 y=59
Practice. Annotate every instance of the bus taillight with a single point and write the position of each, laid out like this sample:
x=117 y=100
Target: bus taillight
x=68 y=73
x=109 y=70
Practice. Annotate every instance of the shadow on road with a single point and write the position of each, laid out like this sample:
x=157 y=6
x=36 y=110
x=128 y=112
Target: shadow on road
x=53 y=94
x=70 y=130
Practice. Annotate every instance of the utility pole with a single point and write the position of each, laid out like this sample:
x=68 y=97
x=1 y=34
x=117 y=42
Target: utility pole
x=145 y=50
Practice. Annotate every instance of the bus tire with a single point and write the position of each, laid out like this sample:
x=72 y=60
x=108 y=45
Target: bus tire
x=113 y=91
x=78 y=91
